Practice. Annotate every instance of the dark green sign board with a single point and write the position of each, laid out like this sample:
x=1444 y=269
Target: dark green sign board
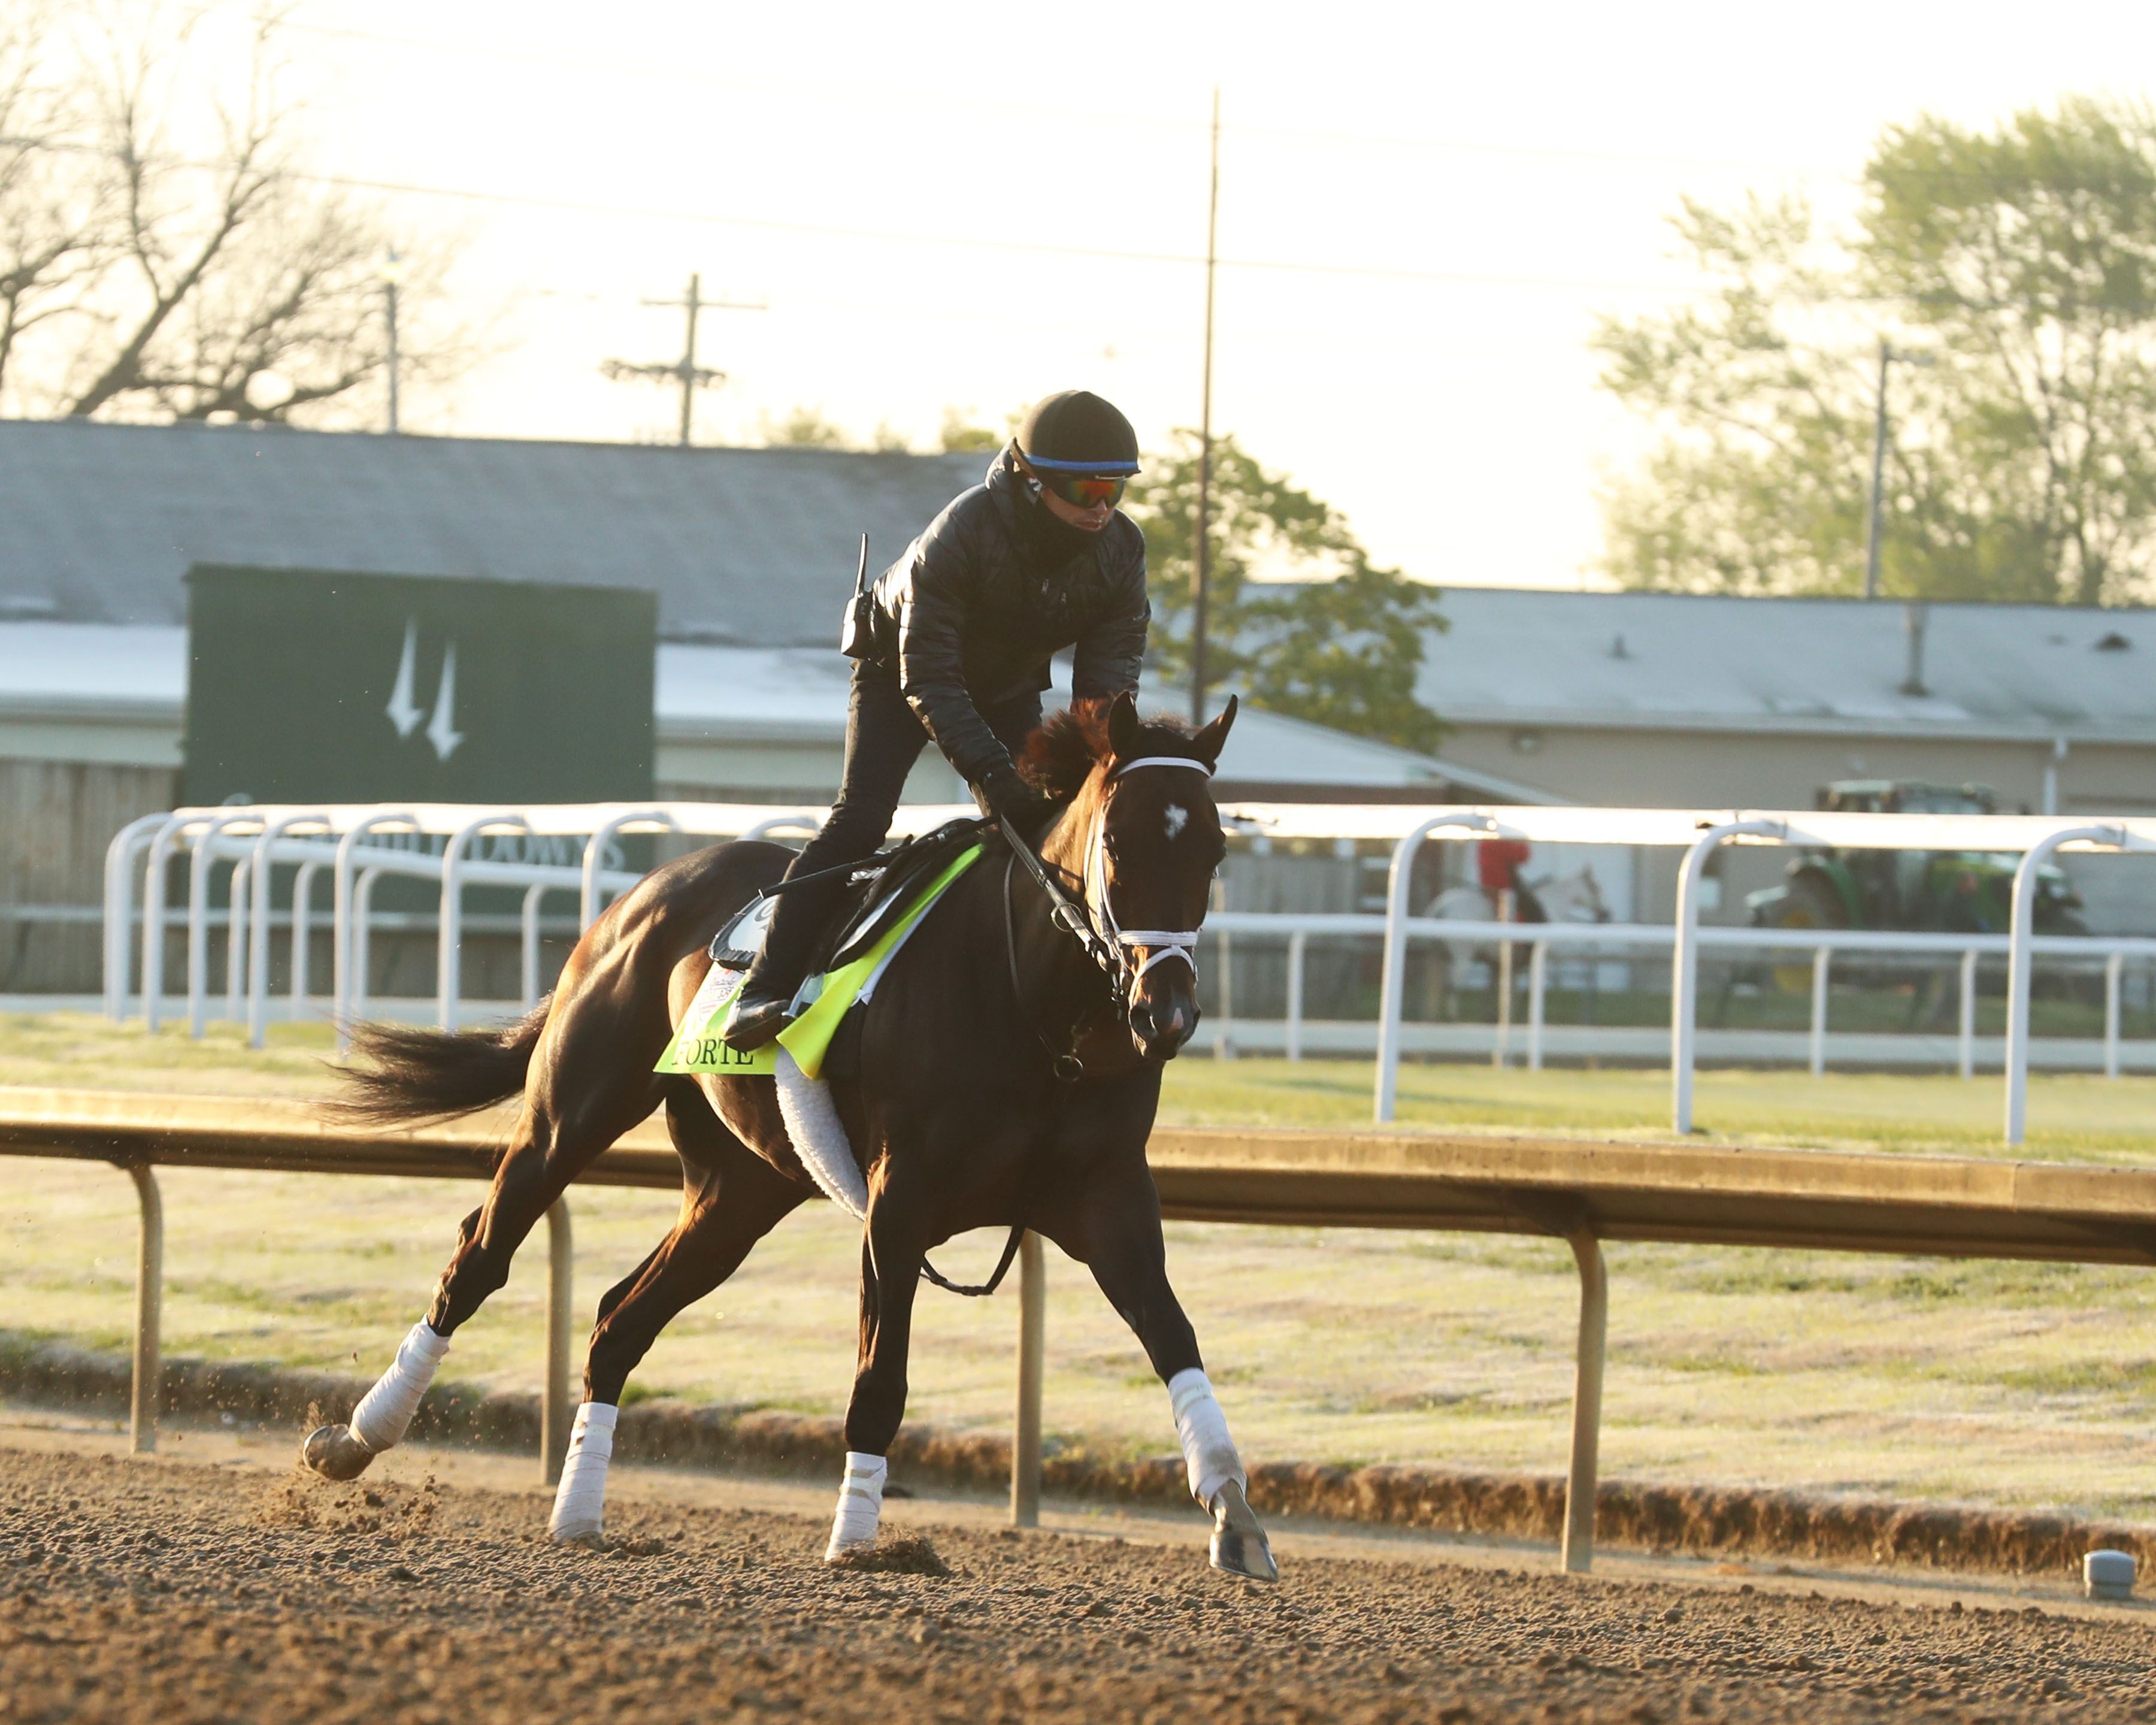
x=308 y=686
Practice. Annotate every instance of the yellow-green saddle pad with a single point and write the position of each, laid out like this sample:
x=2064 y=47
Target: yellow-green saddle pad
x=695 y=1046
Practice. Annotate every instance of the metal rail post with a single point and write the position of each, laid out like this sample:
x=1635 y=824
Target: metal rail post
x=449 y=957
x=802 y=821
x=153 y=921
x=1538 y=988
x=1821 y=958
x=355 y=988
x=120 y=856
x=148 y=1384
x=235 y=935
x=303 y=933
x=1298 y=944
x=529 y=969
x=1032 y=1361
x=2018 y=955
x=1501 y=1046
x=1223 y=1046
x=263 y=866
x=348 y=951
x=1965 y=1049
x=1396 y=942
x=205 y=856
x=1581 y=1477
x=2114 y=970
x=556 y=1404
x=1684 y=961
x=588 y=899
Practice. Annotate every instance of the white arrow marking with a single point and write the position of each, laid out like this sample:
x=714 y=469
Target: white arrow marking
x=402 y=714
x=441 y=730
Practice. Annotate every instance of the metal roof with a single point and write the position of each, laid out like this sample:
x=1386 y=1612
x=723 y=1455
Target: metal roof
x=717 y=694
x=1676 y=661
x=754 y=546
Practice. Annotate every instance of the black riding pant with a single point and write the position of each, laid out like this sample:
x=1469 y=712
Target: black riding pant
x=884 y=738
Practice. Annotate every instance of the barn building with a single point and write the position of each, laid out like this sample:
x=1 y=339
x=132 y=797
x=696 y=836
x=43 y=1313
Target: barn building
x=1672 y=701
x=750 y=553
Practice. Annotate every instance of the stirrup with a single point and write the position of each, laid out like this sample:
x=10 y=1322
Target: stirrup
x=752 y=1023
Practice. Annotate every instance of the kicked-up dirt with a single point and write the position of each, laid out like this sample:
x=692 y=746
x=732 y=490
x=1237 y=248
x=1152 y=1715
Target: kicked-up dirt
x=175 y=1592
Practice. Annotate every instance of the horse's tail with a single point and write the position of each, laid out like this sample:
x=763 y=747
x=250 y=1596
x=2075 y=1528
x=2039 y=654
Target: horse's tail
x=418 y=1075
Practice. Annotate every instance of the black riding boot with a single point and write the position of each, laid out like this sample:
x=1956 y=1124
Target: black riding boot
x=764 y=1006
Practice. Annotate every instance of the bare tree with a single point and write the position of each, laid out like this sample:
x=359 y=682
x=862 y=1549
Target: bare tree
x=209 y=273
x=55 y=226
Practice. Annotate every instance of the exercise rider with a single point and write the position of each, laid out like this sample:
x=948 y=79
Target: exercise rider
x=960 y=632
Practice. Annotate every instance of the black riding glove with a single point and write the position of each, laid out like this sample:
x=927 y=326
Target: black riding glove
x=1005 y=793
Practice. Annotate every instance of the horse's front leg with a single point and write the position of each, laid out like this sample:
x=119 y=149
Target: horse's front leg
x=891 y=1251
x=1114 y=1228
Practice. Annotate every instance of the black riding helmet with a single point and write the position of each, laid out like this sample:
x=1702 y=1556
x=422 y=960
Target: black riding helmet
x=1074 y=431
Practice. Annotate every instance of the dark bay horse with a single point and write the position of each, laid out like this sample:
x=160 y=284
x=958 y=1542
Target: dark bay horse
x=1005 y=1073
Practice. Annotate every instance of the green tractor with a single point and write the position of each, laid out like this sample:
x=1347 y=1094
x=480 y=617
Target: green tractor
x=1941 y=891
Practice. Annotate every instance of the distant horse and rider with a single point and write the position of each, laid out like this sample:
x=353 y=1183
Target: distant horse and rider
x=1502 y=891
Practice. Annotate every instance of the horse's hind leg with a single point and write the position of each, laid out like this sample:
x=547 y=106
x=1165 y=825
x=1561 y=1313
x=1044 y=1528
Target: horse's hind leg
x=588 y=1084
x=731 y=1200
x=1114 y=1230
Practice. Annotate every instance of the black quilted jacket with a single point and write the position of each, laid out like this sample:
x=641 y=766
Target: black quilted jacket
x=994 y=587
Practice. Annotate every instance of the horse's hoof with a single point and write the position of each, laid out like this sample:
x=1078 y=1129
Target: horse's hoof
x=1239 y=1546
x=586 y=1530
x=1238 y=1553
x=334 y=1453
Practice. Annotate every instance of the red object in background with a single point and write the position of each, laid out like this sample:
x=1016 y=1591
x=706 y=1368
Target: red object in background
x=1498 y=861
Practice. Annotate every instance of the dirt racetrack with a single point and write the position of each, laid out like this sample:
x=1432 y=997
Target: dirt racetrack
x=179 y=1592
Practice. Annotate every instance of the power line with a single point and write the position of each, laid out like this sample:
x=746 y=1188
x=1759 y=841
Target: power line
x=1118 y=120
x=968 y=242
x=411 y=188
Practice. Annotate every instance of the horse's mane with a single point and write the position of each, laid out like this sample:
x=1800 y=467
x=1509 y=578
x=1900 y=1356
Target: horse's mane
x=1060 y=756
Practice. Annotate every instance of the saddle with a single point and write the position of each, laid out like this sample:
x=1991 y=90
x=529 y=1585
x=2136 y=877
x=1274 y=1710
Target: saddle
x=878 y=891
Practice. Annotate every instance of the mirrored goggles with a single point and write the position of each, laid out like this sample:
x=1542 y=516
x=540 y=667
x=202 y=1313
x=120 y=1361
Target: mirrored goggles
x=1084 y=490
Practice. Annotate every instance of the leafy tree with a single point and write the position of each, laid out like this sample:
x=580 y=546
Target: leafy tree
x=959 y=434
x=804 y=427
x=1297 y=616
x=2016 y=270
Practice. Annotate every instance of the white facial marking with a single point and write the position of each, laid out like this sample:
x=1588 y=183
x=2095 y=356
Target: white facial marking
x=1178 y=817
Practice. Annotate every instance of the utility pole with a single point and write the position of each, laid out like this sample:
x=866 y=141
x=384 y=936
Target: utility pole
x=685 y=370
x=1873 y=534
x=1204 y=543
x=392 y=272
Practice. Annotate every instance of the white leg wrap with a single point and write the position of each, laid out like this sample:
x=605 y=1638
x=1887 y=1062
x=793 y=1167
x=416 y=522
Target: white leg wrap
x=580 y=1500
x=384 y=1413
x=1208 y=1453
x=861 y=1504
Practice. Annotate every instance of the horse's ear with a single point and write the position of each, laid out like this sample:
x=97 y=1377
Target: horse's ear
x=1123 y=725
x=1211 y=741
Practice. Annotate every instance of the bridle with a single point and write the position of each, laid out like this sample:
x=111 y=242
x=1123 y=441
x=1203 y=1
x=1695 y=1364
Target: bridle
x=1091 y=921
x=1167 y=943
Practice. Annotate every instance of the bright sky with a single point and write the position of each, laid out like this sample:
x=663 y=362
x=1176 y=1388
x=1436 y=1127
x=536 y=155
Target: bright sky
x=970 y=206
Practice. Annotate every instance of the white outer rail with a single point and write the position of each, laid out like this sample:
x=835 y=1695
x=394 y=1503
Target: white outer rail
x=203 y=831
